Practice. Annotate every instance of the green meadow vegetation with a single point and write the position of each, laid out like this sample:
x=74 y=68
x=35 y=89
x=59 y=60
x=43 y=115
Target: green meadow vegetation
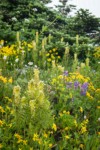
x=49 y=77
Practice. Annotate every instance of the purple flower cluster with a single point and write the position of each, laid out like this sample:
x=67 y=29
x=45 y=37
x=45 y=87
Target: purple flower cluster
x=84 y=88
x=76 y=84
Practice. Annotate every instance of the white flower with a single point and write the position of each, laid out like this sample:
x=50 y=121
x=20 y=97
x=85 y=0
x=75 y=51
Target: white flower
x=16 y=60
x=85 y=117
x=35 y=66
x=26 y=66
x=26 y=20
x=99 y=119
x=99 y=62
x=14 y=19
x=5 y=57
x=30 y=63
x=34 y=9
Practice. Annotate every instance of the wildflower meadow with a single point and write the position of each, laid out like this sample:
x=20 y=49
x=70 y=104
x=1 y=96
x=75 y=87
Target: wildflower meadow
x=49 y=91
x=47 y=101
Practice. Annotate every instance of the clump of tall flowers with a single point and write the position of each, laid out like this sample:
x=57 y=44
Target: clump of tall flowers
x=38 y=102
x=33 y=108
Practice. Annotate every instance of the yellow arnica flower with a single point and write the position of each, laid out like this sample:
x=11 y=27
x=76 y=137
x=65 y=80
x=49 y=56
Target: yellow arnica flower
x=19 y=141
x=59 y=57
x=35 y=137
x=75 y=122
x=49 y=60
x=88 y=95
x=10 y=80
x=98 y=133
x=1 y=123
x=67 y=137
x=67 y=128
x=50 y=145
x=81 y=146
x=1 y=146
x=81 y=109
x=83 y=129
x=98 y=107
x=54 y=127
x=24 y=142
x=17 y=136
x=47 y=54
x=1 y=109
x=45 y=135
x=98 y=90
x=3 y=79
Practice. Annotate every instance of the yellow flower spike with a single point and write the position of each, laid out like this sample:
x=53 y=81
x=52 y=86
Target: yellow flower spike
x=1 y=109
x=49 y=59
x=16 y=90
x=68 y=112
x=81 y=146
x=50 y=51
x=64 y=111
x=81 y=109
x=75 y=122
x=59 y=57
x=45 y=135
x=24 y=142
x=60 y=114
x=98 y=133
x=17 y=136
x=86 y=121
x=30 y=46
x=60 y=77
x=67 y=137
x=1 y=146
x=1 y=123
x=83 y=129
x=98 y=107
x=8 y=108
x=10 y=80
x=19 y=141
x=88 y=95
x=47 y=54
x=97 y=90
x=54 y=127
x=53 y=50
x=66 y=129
x=50 y=145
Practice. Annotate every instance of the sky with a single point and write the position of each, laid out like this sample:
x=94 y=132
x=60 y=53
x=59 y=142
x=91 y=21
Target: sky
x=92 y=5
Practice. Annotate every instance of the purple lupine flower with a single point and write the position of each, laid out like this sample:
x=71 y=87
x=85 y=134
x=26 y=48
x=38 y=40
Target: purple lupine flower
x=84 y=85
x=76 y=84
x=69 y=85
x=83 y=92
x=65 y=73
x=84 y=88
